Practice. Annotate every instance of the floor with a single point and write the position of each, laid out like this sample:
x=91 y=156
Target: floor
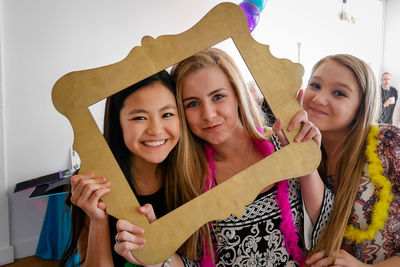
x=32 y=262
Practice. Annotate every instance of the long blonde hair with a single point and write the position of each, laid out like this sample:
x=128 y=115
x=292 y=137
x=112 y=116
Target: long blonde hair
x=350 y=159
x=191 y=150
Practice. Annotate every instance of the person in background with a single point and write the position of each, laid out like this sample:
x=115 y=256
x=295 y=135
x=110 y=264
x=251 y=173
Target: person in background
x=388 y=98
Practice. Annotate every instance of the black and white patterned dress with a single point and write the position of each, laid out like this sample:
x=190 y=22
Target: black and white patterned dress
x=255 y=238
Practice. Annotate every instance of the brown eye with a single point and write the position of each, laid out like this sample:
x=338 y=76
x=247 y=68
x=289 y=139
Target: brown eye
x=167 y=115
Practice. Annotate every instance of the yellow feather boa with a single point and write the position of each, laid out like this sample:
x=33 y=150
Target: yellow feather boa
x=382 y=185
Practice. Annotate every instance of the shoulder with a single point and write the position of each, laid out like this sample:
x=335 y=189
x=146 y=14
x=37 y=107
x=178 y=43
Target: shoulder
x=389 y=141
x=389 y=134
x=389 y=152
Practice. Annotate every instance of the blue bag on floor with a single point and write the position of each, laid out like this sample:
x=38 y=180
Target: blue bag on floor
x=55 y=230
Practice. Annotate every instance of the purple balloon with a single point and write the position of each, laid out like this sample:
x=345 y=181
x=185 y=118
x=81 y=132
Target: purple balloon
x=252 y=13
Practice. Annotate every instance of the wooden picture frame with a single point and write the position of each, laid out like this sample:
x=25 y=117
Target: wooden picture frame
x=278 y=79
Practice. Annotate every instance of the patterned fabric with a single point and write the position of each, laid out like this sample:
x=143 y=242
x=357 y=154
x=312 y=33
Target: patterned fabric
x=386 y=242
x=325 y=212
x=255 y=239
x=275 y=141
x=189 y=263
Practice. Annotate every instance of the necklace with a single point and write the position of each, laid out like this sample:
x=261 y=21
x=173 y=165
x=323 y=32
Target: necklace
x=382 y=185
x=229 y=166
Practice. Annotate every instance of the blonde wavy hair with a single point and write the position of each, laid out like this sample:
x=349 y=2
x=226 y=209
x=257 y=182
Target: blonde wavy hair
x=191 y=150
x=350 y=152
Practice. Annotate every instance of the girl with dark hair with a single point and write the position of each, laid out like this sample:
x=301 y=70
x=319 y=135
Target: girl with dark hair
x=142 y=129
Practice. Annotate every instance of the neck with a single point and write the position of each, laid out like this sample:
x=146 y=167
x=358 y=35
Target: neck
x=237 y=144
x=147 y=178
x=234 y=155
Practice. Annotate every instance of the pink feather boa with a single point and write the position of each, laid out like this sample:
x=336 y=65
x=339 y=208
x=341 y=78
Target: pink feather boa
x=287 y=226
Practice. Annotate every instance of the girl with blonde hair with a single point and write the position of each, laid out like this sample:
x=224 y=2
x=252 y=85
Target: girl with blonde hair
x=224 y=132
x=360 y=163
x=228 y=132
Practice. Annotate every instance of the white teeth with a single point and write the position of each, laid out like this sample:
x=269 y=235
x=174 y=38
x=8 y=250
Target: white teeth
x=155 y=143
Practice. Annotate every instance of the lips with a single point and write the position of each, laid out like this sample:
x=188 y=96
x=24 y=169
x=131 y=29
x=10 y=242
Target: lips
x=317 y=111
x=154 y=143
x=212 y=128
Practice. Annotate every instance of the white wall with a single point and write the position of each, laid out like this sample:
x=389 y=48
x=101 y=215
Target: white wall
x=316 y=25
x=6 y=250
x=42 y=40
x=391 y=54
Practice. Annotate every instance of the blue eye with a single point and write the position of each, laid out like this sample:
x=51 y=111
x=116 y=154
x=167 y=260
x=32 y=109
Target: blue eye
x=339 y=93
x=218 y=97
x=192 y=104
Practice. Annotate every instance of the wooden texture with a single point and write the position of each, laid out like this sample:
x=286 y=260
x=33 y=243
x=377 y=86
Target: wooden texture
x=278 y=79
x=33 y=261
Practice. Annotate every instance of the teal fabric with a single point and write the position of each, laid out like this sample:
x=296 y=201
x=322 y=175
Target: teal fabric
x=56 y=229
x=129 y=264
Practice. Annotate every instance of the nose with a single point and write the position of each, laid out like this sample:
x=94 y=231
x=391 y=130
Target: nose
x=320 y=98
x=208 y=112
x=155 y=127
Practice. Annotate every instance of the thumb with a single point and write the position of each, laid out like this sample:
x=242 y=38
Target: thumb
x=148 y=210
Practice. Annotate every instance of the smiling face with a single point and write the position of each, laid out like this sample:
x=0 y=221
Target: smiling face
x=150 y=123
x=210 y=104
x=332 y=98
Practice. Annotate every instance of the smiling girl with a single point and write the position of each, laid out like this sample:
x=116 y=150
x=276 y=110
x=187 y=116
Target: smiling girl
x=360 y=162
x=227 y=130
x=142 y=129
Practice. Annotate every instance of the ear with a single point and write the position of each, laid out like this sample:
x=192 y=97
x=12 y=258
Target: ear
x=300 y=96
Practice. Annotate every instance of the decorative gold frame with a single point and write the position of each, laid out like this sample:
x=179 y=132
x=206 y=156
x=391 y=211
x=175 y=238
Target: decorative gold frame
x=278 y=79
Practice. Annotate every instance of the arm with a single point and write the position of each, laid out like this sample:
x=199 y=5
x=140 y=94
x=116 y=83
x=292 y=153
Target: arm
x=347 y=260
x=99 y=245
x=312 y=187
x=94 y=241
x=312 y=190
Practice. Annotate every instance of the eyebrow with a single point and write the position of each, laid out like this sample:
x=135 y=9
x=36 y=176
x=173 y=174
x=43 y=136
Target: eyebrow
x=135 y=111
x=210 y=94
